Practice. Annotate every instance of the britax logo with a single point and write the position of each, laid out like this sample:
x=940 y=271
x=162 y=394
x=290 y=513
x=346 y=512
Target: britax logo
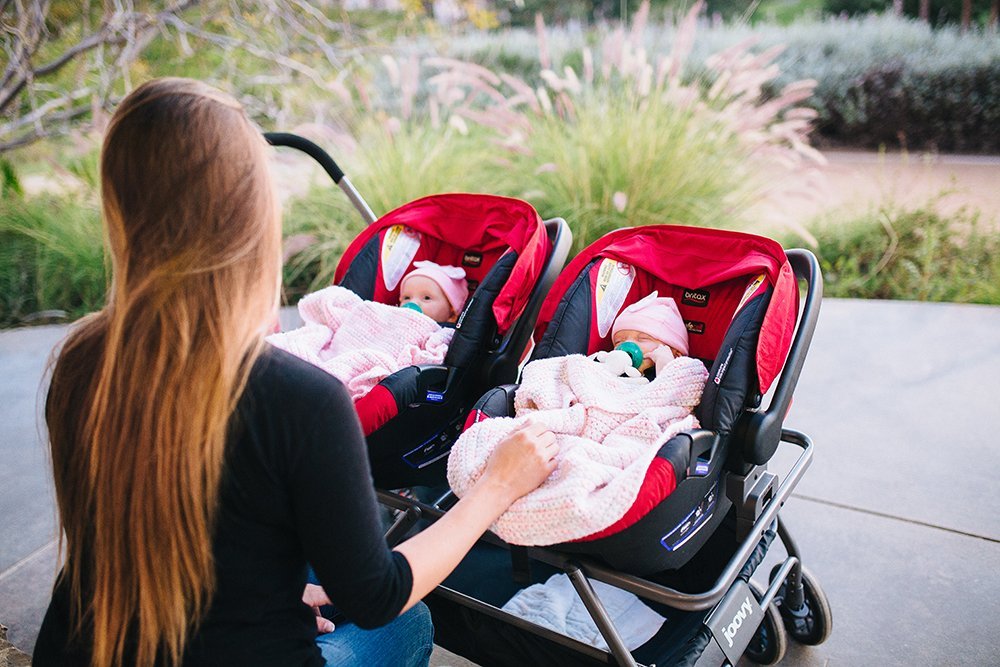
x=695 y=297
x=741 y=615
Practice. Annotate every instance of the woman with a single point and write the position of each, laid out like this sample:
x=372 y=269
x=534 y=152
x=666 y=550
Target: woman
x=197 y=471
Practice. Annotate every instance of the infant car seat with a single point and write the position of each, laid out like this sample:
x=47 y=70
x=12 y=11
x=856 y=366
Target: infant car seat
x=739 y=298
x=511 y=258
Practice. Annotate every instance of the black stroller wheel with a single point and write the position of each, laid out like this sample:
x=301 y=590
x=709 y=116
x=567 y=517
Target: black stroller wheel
x=813 y=623
x=770 y=641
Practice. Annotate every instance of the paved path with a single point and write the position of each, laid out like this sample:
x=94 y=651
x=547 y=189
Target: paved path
x=897 y=516
x=855 y=183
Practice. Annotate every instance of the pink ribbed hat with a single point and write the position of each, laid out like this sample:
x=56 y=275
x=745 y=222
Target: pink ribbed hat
x=451 y=280
x=658 y=317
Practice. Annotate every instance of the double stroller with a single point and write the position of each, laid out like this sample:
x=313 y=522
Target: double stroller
x=707 y=510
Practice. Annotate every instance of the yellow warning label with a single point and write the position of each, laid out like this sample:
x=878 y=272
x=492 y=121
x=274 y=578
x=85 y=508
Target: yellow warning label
x=749 y=291
x=399 y=247
x=614 y=280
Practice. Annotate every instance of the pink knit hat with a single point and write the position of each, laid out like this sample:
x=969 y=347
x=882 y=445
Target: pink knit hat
x=657 y=317
x=451 y=280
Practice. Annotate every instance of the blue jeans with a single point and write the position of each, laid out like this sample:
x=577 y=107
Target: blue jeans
x=406 y=641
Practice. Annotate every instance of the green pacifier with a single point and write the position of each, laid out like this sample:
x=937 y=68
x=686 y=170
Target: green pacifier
x=412 y=305
x=633 y=351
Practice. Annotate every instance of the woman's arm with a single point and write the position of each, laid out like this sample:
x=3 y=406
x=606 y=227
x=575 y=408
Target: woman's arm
x=518 y=465
x=335 y=512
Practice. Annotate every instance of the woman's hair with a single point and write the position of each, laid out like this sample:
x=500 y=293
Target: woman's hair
x=143 y=390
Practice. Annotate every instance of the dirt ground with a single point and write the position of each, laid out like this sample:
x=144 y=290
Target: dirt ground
x=853 y=182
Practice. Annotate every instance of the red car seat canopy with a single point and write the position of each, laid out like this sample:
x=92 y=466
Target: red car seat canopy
x=711 y=274
x=468 y=230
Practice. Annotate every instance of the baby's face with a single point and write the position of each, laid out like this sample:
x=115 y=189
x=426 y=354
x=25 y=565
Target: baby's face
x=645 y=342
x=427 y=294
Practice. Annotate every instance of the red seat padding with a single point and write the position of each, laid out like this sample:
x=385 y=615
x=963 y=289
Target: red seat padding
x=376 y=408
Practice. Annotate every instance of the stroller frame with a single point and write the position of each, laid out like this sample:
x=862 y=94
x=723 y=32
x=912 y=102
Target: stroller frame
x=757 y=499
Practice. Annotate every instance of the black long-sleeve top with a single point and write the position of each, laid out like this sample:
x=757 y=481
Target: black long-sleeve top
x=296 y=488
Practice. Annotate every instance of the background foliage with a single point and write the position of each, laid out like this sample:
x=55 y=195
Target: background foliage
x=409 y=107
x=916 y=253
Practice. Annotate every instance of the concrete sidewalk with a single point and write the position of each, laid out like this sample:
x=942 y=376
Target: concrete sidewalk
x=896 y=518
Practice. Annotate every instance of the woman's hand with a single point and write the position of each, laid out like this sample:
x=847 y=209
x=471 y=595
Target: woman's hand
x=315 y=597
x=521 y=462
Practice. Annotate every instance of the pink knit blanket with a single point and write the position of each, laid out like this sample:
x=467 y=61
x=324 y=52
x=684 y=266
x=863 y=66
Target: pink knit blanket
x=362 y=342
x=609 y=429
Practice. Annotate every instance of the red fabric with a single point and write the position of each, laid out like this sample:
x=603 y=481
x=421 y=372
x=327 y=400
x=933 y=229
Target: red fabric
x=474 y=417
x=659 y=483
x=675 y=260
x=375 y=408
x=452 y=225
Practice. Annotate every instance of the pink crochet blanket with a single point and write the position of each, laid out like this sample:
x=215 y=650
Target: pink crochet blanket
x=609 y=429
x=362 y=342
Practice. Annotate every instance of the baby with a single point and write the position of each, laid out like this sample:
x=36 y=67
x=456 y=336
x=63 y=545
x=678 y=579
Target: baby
x=655 y=325
x=439 y=292
x=608 y=427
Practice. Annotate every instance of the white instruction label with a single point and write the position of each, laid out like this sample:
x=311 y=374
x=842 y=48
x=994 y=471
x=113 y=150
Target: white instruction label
x=614 y=280
x=399 y=247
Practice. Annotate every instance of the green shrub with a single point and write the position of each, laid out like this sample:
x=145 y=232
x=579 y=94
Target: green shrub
x=913 y=254
x=10 y=184
x=880 y=79
x=950 y=11
x=628 y=140
x=886 y=81
x=855 y=7
x=655 y=164
x=51 y=258
x=942 y=12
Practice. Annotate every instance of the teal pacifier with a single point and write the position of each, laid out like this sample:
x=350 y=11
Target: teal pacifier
x=632 y=350
x=412 y=305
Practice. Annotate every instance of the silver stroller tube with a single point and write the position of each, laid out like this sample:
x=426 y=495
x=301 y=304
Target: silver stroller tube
x=331 y=168
x=356 y=199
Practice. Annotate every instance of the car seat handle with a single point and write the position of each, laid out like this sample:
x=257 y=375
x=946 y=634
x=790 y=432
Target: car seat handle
x=761 y=431
x=704 y=446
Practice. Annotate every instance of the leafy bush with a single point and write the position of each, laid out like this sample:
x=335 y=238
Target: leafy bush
x=913 y=254
x=883 y=80
x=941 y=11
x=51 y=258
x=855 y=7
x=880 y=79
x=628 y=140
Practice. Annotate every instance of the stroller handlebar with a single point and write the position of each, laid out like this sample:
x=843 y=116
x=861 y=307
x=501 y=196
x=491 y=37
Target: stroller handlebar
x=332 y=168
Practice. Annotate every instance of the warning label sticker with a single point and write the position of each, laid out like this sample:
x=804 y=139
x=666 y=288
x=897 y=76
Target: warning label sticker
x=399 y=247
x=750 y=290
x=614 y=280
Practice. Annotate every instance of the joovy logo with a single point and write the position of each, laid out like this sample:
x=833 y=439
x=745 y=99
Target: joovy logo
x=744 y=611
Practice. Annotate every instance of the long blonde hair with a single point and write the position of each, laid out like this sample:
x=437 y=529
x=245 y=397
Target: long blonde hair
x=143 y=390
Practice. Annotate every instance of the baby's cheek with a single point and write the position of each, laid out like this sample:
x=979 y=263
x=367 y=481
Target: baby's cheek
x=647 y=346
x=438 y=309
